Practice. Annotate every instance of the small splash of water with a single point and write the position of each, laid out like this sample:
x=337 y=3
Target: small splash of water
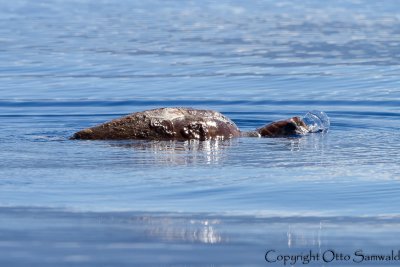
x=317 y=121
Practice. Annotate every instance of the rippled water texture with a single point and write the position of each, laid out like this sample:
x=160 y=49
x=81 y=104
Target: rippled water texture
x=68 y=65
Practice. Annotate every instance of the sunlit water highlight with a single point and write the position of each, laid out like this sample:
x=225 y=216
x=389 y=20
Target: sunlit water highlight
x=65 y=66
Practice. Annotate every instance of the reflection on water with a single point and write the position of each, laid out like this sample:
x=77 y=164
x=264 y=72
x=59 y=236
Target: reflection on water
x=195 y=152
x=178 y=152
x=188 y=230
x=58 y=238
x=302 y=238
x=66 y=65
x=312 y=142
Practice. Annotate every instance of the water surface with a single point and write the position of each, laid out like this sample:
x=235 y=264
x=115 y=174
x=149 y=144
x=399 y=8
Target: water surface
x=65 y=66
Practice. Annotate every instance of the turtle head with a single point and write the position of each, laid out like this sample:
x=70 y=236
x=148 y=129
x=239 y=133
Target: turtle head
x=292 y=126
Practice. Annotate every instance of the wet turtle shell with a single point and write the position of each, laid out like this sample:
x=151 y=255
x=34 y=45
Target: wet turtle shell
x=164 y=123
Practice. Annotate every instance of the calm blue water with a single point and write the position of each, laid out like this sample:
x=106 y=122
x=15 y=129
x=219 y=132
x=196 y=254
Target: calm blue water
x=68 y=65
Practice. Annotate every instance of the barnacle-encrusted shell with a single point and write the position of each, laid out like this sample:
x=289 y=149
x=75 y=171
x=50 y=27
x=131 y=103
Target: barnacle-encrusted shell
x=164 y=123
